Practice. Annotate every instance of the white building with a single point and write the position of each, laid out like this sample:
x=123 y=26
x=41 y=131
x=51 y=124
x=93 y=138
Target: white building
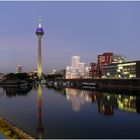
x=119 y=59
x=77 y=69
x=75 y=62
x=2 y=77
x=18 y=69
x=82 y=69
x=68 y=72
x=53 y=71
x=87 y=72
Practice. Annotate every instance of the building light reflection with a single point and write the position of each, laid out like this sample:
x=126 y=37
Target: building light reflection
x=106 y=101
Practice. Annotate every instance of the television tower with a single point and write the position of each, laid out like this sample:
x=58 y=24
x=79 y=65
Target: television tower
x=39 y=33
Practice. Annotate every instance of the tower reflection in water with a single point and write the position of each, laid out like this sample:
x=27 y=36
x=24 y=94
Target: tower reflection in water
x=106 y=102
x=40 y=127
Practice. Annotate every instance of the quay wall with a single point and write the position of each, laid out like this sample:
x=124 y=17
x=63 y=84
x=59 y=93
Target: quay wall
x=7 y=127
x=106 y=83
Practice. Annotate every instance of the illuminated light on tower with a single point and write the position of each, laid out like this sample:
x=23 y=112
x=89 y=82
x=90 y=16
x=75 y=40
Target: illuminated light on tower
x=39 y=33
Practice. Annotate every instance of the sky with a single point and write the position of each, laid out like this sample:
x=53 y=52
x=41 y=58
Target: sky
x=71 y=28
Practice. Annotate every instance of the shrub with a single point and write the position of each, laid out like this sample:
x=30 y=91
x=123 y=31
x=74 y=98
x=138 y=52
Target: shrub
x=7 y=133
x=14 y=137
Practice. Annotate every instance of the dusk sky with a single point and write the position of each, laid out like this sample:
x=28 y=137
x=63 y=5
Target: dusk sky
x=71 y=28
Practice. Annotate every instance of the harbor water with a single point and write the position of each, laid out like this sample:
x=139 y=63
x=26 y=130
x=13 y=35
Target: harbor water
x=45 y=112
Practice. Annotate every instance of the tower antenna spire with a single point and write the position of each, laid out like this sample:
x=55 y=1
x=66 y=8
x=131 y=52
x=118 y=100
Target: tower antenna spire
x=40 y=26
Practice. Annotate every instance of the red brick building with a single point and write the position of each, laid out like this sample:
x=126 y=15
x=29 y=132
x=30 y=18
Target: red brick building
x=93 y=70
x=104 y=59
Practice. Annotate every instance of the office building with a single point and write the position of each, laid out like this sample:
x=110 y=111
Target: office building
x=126 y=70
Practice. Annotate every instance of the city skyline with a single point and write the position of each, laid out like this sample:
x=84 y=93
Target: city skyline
x=71 y=28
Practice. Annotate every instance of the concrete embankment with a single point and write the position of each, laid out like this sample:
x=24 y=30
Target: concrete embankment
x=131 y=84
x=12 y=132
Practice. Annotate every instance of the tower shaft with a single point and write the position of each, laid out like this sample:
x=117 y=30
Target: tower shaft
x=39 y=67
x=39 y=33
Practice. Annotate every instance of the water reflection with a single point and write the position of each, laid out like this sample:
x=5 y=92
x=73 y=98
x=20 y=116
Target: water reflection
x=77 y=98
x=106 y=102
x=1 y=92
x=14 y=91
x=40 y=128
x=72 y=113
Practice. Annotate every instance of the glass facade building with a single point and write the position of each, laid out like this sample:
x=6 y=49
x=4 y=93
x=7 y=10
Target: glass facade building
x=126 y=70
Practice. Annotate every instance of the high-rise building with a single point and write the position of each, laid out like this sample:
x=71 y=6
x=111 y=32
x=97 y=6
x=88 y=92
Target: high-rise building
x=18 y=69
x=108 y=57
x=75 y=62
x=39 y=33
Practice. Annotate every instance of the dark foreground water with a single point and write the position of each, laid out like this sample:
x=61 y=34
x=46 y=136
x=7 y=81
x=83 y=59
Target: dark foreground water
x=71 y=113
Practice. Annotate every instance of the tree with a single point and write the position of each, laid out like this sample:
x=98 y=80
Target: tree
x=54 y=76
x=22 y=76
x=11 y=76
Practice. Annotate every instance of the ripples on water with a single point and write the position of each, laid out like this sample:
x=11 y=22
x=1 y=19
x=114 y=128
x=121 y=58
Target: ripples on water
x=71 y=113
